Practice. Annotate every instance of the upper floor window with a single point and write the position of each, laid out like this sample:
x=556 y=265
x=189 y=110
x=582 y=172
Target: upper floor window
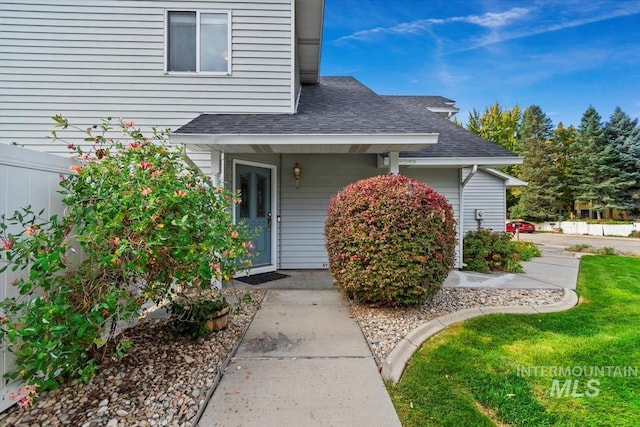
x=198 y=41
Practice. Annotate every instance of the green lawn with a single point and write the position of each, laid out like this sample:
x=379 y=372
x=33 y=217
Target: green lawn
x=488 y=371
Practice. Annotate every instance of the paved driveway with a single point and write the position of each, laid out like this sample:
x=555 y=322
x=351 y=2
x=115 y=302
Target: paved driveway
x=624 y=244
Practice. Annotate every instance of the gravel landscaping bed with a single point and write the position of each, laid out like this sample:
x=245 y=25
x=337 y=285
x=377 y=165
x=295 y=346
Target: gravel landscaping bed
x=165 y=378
x=384 y=328
x=162 y=381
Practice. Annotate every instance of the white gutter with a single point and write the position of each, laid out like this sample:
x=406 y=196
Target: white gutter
x=460 y=162
x=307 y=143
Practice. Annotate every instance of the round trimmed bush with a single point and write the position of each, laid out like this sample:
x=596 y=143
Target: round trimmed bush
x=390 y=239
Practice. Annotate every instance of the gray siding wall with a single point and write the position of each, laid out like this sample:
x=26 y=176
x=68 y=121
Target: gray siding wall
x=302 y=210
x=105 y=58
x=444 y=181
x=486 y=192
x=447 y=183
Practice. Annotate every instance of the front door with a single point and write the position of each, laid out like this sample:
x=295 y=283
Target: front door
x=254 y=183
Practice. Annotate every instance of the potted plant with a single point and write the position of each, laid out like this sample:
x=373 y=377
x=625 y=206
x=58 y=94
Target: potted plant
x=200 y=314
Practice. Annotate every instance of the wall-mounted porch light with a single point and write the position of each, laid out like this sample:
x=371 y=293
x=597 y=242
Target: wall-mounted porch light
x=297 y=173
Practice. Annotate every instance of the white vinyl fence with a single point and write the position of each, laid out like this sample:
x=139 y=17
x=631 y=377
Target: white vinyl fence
x=584 y=228
x=27 y=177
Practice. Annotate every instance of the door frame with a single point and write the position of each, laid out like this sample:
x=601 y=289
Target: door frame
x=273 y=266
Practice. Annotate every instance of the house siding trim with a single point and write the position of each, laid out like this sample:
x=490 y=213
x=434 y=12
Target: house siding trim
x=294 y=91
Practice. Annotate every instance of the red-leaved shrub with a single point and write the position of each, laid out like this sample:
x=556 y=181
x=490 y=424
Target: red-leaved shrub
x=391 y=240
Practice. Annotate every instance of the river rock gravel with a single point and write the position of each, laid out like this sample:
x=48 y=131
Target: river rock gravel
x=163 y=380
x=384 y=328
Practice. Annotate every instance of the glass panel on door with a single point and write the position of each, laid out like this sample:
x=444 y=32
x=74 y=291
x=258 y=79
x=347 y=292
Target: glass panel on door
x=254 y=184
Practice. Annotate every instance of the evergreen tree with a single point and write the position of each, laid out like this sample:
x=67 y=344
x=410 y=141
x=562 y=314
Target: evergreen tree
x=565 y=142
x=594 y=164
x=539 y=200
x=623 y=134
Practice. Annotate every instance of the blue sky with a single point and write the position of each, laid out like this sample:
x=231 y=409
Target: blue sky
x=562 y=55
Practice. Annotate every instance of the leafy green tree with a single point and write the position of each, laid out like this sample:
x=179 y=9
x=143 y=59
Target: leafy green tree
x=500 y=125
x=539 y=200
x=623 y=134
x=594 y=172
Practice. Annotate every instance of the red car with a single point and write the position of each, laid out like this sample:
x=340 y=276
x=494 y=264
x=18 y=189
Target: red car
x=523 y=226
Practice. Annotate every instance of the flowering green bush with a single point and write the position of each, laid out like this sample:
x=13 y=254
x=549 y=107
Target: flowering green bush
x=390 y=239
x=527 y=250
x=148 y=225
x=485 y=250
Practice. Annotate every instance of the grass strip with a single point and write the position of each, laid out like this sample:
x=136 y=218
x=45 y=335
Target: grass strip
x=574 y=368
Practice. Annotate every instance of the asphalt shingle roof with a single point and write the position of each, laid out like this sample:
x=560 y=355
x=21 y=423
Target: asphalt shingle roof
x=454 y=141
x=343 y=105
x=429 y=100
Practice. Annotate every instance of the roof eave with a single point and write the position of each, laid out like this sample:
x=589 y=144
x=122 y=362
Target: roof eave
x=307 y=143
x=309 y=16
x=457 y=162
x=509 y=180
x=443 y=109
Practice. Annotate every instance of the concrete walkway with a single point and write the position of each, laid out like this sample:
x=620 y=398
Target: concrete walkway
x=303 y=362
x=556 y=269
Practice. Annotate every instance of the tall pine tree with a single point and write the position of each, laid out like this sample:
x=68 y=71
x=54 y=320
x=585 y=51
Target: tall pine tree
x=623 y=134
x=565 y=142
x=593 y=170
x=539 y=200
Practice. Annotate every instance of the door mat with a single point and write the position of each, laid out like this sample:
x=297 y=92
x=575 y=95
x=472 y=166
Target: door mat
x=258 y=279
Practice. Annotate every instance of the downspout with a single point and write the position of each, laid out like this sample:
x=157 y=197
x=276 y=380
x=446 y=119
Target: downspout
x=463 y=183
x=471 y=174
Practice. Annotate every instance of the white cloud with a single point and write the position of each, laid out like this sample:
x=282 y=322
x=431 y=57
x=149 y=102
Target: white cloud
x=566 y=18
x=515 y=23
x=413 y=27
x=493 y=20
x=487 y=20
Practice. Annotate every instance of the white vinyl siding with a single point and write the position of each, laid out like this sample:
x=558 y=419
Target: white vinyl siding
x=106 y=58
x=488 y=193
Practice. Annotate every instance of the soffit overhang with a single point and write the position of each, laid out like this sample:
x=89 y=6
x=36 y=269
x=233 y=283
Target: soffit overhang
x=307 y=143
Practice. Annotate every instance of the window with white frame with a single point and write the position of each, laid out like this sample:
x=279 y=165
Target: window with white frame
x=198 y=42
